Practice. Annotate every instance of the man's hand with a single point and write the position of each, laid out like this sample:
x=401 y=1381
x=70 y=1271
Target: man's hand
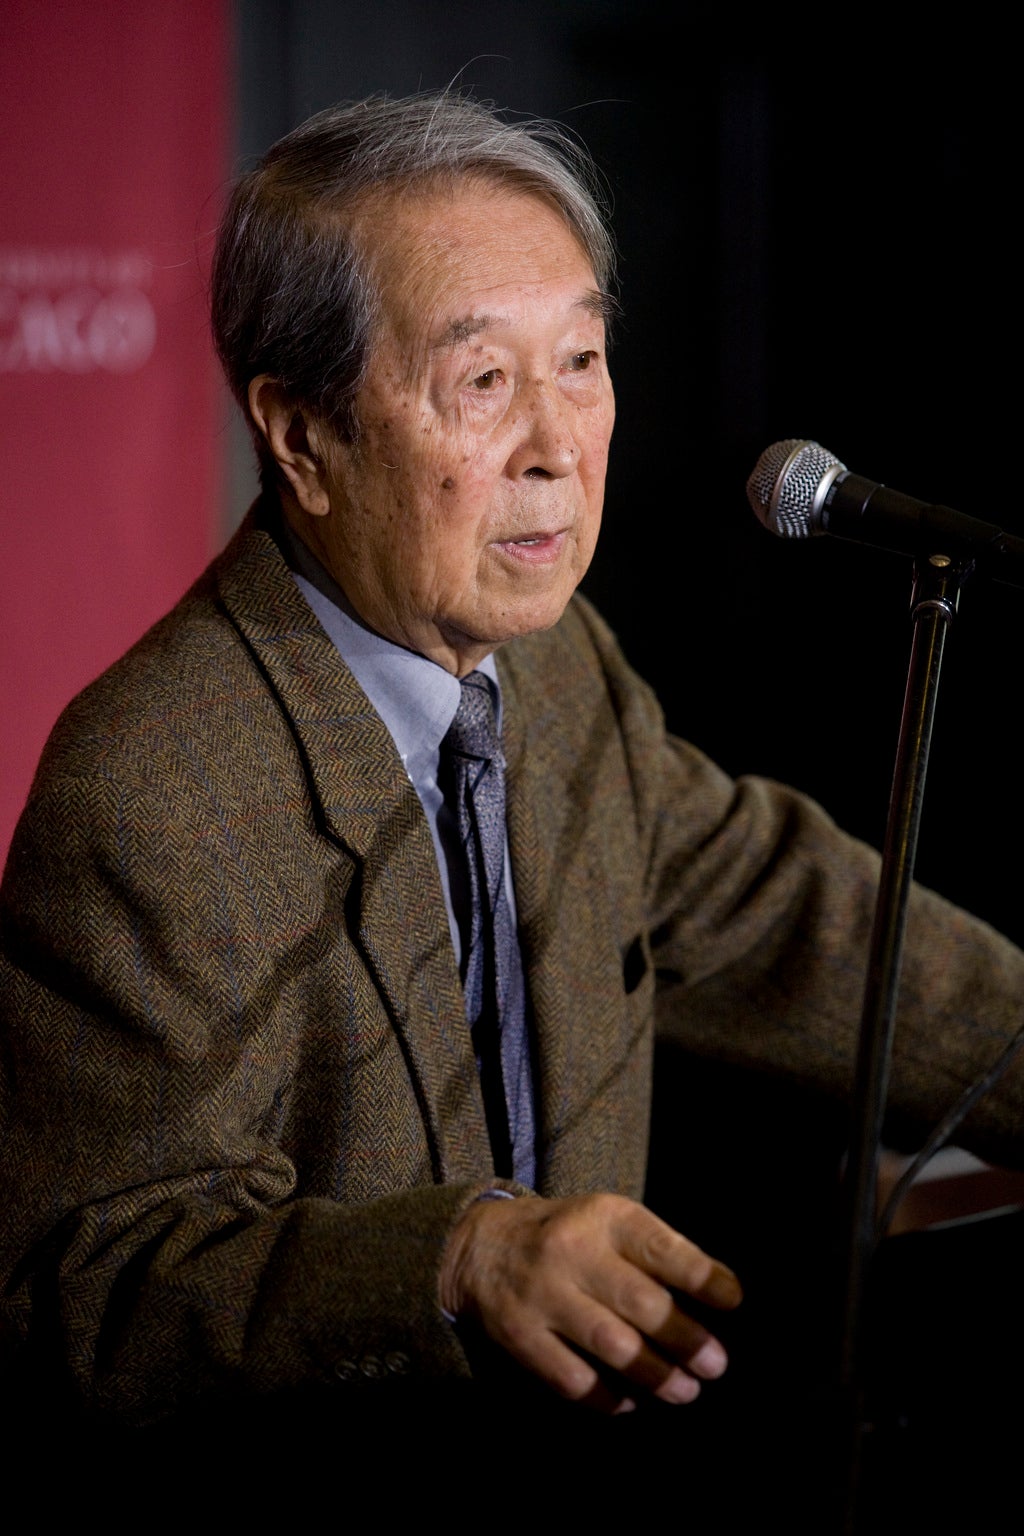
x=568 y=1287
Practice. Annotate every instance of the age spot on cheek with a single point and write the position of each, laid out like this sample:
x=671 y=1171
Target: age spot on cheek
x=447 y=484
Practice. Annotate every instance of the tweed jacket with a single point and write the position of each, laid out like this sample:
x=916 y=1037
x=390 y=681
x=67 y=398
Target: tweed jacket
x=240 y=1107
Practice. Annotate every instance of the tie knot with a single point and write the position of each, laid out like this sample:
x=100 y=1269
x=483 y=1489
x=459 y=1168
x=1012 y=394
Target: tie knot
x=474 y=731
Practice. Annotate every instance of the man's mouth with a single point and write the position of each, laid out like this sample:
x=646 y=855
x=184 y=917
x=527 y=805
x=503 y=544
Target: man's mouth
x=535 y=548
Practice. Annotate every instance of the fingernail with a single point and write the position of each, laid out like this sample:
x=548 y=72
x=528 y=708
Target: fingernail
x=679 y=1388
x=627 y=1405
x=710 y=1360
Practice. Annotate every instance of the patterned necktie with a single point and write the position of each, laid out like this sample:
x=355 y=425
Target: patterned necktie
x=492 y=966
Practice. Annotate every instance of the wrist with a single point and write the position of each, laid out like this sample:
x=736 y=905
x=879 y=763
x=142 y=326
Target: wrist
x=455 y=1255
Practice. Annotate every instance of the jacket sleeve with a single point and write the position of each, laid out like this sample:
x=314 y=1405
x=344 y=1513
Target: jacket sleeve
x=153 y=1246
x=760 y=912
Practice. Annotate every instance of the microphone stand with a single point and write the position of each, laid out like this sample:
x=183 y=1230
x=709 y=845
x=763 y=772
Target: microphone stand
x=937 y=581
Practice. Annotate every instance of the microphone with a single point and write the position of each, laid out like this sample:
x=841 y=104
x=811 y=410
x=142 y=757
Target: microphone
x=798 y=489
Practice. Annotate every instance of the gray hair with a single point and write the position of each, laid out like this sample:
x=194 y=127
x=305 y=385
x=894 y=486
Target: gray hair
x=291 y=296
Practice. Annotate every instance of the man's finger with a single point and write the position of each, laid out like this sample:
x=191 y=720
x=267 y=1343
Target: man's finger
x=658 y=1250
x=634 y=1298
x=599 y=1360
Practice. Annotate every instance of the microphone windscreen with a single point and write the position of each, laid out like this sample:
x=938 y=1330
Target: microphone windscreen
x=788 y=483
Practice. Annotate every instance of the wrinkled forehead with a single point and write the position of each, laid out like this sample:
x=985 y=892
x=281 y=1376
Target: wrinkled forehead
x=435 y=250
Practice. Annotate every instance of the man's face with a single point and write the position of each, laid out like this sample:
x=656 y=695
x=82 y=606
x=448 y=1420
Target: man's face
x=468 y=509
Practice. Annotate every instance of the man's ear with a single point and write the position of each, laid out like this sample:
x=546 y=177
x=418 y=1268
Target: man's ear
x=295 y=442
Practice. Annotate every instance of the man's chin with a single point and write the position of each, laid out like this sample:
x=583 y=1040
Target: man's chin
x=529 y=618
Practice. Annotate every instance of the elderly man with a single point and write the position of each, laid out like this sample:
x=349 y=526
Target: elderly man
x=345 y=907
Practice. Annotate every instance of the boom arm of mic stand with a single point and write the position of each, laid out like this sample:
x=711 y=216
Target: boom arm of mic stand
x=937 y=582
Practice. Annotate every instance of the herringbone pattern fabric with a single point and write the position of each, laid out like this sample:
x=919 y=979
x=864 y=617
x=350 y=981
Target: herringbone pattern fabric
x=239 y=1110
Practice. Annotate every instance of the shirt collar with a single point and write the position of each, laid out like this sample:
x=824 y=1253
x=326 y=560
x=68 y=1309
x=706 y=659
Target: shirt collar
x=415 y=697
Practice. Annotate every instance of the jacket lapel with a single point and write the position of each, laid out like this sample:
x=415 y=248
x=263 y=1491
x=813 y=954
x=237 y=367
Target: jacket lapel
x=363 y=801
x=591 y=1048
x=536 y=792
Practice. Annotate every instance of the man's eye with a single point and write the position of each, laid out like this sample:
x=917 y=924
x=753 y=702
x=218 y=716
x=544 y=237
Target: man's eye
x=487 y=380
x=581 y=361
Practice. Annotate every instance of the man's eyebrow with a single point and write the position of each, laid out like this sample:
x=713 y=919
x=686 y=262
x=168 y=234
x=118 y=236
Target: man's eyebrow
x=600 y=304
x=465 y=327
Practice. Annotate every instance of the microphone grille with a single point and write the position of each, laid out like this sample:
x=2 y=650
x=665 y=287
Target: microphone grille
x=788 y=483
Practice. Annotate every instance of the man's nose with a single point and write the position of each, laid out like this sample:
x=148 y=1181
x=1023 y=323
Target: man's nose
x=546 y=445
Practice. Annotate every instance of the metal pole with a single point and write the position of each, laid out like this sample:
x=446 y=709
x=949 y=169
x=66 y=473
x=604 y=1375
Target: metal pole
x=937 y=581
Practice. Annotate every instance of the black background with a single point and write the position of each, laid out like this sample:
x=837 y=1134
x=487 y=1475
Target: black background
x=815 y=211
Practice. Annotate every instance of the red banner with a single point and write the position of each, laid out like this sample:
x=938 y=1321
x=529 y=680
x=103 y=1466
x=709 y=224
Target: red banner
x=114 y=127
